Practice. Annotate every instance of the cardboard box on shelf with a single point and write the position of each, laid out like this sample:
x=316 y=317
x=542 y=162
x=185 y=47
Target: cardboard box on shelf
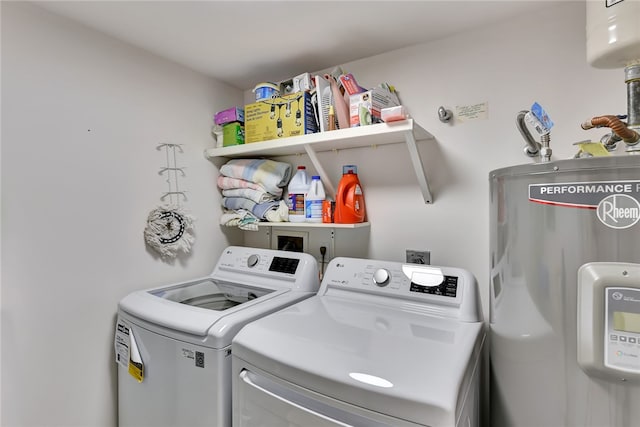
x=365 y=107
x=281 y=117
x=234 y=114
x=232 y=134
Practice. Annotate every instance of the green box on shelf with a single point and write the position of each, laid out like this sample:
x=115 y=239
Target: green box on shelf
x=232 y=134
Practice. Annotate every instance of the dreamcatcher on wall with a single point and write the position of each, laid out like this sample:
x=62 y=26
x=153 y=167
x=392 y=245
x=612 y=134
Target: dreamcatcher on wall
x=169 y=229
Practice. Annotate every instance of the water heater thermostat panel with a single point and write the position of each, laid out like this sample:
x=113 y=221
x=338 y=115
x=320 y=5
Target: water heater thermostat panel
x=622 y=329
x=609 y=320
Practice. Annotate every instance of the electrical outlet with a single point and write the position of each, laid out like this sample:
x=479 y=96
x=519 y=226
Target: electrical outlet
x=418 y=257
x=328 y=253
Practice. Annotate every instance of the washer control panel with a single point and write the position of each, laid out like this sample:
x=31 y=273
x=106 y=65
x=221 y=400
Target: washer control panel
x=260 y=260
x=622 y=328
x=268 y=268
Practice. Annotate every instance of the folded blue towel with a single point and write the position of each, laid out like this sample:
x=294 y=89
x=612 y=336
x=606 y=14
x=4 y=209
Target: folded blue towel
x=234 y=203
x=260 y=210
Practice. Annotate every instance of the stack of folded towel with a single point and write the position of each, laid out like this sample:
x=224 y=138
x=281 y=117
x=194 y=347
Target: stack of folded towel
x=252 y=191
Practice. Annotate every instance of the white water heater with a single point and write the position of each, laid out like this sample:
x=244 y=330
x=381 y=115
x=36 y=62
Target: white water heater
x=613 y=33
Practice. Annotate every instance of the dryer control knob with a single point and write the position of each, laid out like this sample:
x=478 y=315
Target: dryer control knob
x=381 y=277
x=253 y=260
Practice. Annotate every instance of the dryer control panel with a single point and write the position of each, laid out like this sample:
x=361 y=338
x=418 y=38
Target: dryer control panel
x=448 y=290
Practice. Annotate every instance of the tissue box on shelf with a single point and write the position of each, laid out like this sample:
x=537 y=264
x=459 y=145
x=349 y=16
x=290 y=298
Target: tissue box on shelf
x=232 y=134
x=234 y=114
x=394 y=114
x=365 y=107
x=281 y=117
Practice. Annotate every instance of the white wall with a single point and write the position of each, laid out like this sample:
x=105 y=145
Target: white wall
x=82 y=115
x=539 y=57
x=75 y=201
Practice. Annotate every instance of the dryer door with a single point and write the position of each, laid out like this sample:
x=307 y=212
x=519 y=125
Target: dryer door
x=260 y=401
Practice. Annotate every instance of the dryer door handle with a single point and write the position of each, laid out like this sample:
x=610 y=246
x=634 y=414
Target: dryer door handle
x=292 y=405
x=284 y=398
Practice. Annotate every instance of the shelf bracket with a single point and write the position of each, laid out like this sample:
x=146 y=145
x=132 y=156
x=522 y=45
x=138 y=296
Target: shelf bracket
x=328 y=185
x=414 y=154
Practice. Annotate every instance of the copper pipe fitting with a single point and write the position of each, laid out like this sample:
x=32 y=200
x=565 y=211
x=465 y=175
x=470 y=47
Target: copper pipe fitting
x=615 y=124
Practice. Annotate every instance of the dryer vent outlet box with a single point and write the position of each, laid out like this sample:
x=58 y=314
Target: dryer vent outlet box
x=418 y=257
x=292 y=241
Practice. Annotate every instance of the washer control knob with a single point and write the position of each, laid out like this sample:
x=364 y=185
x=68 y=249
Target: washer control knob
x=381 y=277
x=253 y=260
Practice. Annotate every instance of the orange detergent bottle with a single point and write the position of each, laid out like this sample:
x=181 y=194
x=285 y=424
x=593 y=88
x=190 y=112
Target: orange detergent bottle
x=350 y=207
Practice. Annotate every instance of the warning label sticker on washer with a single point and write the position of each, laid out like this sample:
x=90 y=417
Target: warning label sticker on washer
x=127 y=352
x=615 y=202
x=196 y=356
x=121 y=343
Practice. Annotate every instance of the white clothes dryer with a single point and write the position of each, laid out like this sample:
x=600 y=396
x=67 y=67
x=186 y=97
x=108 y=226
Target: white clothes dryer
x=173 y=343
x=381 y=344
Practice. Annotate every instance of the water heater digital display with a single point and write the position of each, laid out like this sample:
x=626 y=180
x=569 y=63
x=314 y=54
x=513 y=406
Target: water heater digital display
x=626 y=322
x=622 y=329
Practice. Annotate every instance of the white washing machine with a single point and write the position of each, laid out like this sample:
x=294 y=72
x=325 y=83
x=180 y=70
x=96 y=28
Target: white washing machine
x=173 y=343
x=381 y=344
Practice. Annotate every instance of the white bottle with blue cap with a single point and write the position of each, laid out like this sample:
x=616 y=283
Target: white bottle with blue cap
x=313 y=200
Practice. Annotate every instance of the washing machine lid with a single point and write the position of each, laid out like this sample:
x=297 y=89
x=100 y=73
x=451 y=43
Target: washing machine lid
x=246 y=283
x=209 y=294
x=203 y=307
x=401 y=363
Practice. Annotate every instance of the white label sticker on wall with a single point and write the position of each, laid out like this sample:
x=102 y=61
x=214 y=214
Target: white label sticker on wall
x=467 y=113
